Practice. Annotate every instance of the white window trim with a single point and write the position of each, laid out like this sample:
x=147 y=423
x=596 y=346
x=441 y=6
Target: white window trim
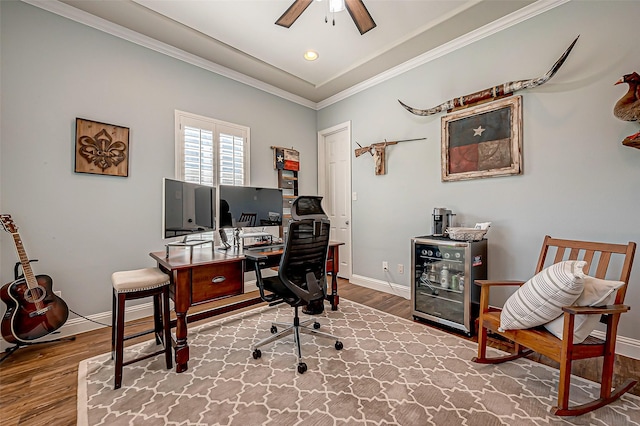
x=179 y=146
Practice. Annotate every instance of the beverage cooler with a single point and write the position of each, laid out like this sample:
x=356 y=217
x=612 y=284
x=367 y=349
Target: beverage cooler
x=442 y=288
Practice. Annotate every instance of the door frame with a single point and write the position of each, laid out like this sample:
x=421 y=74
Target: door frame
x=322 y=190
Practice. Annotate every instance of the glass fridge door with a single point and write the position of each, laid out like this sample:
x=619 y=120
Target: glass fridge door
x=439 y=280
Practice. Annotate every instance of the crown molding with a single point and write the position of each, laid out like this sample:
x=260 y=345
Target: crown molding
x=119 y=31
x=508 y=21
x=103 y=25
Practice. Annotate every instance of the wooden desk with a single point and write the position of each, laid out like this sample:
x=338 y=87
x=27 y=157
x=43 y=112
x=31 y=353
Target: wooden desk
x=205 y=275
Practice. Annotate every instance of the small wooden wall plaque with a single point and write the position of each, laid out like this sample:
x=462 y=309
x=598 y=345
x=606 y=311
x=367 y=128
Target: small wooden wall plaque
x=101 y=148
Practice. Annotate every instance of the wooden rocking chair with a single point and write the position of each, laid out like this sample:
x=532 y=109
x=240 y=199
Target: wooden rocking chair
x=564 y=351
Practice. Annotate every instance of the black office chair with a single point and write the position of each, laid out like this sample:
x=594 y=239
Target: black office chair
x=226 y=220
x=301 y=274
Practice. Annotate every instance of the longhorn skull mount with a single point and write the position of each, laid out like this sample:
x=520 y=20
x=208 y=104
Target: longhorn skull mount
x=493 y=93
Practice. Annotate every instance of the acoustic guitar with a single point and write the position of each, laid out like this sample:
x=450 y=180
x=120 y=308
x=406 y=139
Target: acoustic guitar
x=33 y=310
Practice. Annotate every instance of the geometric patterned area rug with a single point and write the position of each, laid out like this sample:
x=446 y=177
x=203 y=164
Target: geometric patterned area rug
x=392 y=371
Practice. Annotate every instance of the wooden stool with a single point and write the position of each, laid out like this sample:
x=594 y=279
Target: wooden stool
x=136 y=284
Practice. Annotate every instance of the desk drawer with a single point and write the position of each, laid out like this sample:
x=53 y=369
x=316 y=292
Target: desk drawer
x=228 y=277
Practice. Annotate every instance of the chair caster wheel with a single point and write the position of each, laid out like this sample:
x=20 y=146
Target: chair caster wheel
x=257 y=353
x=316 y=325
x=339 y=345
x=274 y=329
x=302 y=367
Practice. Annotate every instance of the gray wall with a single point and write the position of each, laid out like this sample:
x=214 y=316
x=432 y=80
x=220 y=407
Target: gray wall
x=83 y=227
x=579 y=182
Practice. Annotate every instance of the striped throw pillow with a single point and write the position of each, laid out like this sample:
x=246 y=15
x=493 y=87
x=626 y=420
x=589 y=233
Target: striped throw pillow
x=596 y=292
x=541 y=298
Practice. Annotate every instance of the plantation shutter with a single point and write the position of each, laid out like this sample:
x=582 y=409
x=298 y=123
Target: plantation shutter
x=211 y=152
x=232 y=155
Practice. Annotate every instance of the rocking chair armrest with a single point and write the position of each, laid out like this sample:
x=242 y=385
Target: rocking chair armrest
x=485 y=290
x=487 y=283
x=599 y=310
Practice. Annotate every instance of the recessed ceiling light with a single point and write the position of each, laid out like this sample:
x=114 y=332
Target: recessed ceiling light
x=311 y=55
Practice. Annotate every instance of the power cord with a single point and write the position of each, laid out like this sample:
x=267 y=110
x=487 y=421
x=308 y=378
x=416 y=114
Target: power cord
x=387 y=276
x=103 y=324
x=17 y=275
x=89 y=319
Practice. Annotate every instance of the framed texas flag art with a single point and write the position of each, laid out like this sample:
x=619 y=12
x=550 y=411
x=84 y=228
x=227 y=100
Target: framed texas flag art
x=286 y=158
x=483 y=141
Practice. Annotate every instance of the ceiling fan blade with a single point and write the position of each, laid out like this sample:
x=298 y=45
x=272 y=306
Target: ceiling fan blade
x=295 y=10
x=360 y=15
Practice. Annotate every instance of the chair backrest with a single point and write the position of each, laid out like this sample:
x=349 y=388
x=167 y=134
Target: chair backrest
x=226 y=219
x=303 y=264
x=247 y=219
x=599 y=257
x=308 y=207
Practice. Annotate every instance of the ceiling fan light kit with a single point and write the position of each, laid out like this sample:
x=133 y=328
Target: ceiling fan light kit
x=336 y=6
x=356 y=8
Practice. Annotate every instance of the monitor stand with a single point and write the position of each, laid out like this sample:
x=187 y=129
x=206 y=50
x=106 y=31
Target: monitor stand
x=187 y=243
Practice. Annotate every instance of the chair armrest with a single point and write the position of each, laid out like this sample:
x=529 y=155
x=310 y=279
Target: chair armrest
x=485 y=289
x=487 y=283
x=255 y=257
x=599 y=310
x=259 y=261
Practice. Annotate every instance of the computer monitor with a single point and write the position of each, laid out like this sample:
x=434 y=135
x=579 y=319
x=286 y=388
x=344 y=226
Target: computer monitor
x=187 y=208
x=235 y=201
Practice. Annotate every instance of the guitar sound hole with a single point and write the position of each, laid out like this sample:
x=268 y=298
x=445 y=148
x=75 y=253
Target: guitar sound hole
x=35 y=294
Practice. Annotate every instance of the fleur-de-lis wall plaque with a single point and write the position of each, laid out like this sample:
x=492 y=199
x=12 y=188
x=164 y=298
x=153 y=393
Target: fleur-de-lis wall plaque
x=101 y=148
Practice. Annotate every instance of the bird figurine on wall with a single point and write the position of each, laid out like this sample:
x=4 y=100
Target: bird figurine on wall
x=628 y=107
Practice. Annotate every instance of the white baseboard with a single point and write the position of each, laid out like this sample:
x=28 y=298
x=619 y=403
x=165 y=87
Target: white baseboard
x=625 y=346
x=384 y=286
x=79 y=325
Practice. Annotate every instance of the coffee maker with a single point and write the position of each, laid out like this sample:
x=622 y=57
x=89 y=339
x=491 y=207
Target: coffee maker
x=442 y=219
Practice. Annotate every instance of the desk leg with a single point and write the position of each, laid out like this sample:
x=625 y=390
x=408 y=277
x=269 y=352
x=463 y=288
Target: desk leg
x=335 y=266
x=179 y=291
x=335 y=299
x=181 y=348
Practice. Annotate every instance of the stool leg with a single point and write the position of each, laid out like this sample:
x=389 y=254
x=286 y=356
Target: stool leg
x=114 y=303
x=157 y=317
x=121 y=297
x=166 y=323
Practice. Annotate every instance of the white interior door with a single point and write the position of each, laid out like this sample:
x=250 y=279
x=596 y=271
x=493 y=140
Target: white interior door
x=334 y=185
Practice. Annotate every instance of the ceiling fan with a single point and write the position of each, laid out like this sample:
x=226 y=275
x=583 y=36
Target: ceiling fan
x=356 y=8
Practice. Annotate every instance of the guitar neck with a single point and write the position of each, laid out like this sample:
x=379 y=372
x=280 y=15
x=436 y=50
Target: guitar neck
x=24 y=261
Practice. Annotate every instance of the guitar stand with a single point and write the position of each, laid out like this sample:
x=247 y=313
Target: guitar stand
x=16 y=269
x=9 y=351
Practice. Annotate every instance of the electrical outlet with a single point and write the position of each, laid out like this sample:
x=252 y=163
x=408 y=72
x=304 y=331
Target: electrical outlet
x=58 y=293
x=400 y=268
x=385 y=265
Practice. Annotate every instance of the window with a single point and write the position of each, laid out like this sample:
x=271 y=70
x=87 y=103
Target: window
x=211 y=152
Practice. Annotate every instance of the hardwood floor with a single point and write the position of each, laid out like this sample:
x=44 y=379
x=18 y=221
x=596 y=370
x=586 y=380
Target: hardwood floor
x=38 y=384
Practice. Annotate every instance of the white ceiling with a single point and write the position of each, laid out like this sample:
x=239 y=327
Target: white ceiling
x=249 y=27
x=240 y=36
